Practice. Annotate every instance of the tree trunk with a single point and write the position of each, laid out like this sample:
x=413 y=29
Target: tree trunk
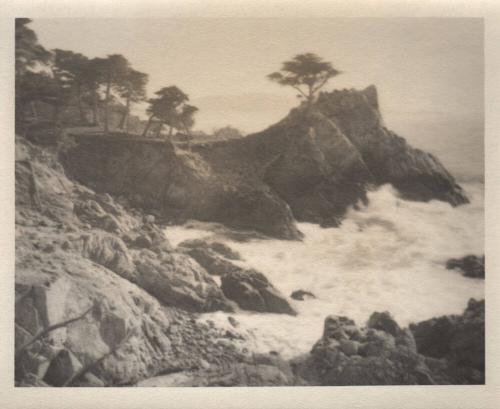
x=124 y=121
x=170 y=132
x=79 y=101
x=159 y=129
x=310 y=96
x=106 y=107
x=95 y=118
x=146 y=129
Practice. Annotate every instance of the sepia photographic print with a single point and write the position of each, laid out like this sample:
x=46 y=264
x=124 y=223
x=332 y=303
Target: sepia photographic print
x=249 y=202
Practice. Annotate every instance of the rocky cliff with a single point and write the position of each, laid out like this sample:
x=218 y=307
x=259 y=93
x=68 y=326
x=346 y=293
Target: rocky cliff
x=311 y=166
x=445 y=350
x=102 y=298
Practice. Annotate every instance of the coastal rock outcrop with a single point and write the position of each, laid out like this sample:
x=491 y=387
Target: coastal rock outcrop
x=417 y=175
x=311 y=166
x=380 y=354
x=251 y=290
x=212 y=256
x=445 y=350
x=302 y=295
x=471 y=266
x=460 y=339
x=93 y=307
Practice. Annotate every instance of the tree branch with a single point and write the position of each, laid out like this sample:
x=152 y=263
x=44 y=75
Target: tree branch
x=298 y=89
x=321 y=84
x=50 y=329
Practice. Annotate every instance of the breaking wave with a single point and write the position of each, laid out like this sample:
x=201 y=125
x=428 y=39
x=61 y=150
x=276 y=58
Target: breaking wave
x=389 y=255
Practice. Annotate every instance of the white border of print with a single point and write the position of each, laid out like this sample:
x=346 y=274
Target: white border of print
x=381 y=397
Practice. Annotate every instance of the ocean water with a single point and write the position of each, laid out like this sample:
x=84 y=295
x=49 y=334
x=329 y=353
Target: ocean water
x=387 y=256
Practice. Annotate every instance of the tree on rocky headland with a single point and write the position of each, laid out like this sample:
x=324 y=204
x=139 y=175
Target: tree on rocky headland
x=133 y=90
x=170 y=108
x=307 y=73
x=28 y=53
x=114 y=71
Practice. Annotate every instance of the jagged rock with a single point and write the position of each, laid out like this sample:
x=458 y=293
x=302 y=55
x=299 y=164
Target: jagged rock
x=417 y=175
x=26 y=317
x=224 y=250
x=302 y=295
x=108 y=251
x=256 y=370
x=347 y=355
x=111 y=317
x=31 y=380
x=91 y=212
x=215 y=246
x=336 y=328
x=252 y=291
x=177 y=280
x=458 y=338
x=384 y=322
x=89 y=380
x=210 y=261
x=31 y=362
x=349 y=347
x=312 y=166
x=143 y=241
x=471 y=266
x=233 y=321
x=212 y=256
x=62 y=368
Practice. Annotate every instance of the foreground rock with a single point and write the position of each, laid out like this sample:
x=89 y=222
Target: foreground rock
x=311 y=166
x=460 y=339
x=471 y=266
x=380 y=354
x=212 y=256
x=249 y=289
x=446 y=350
x=253 y=370
x=101 y=303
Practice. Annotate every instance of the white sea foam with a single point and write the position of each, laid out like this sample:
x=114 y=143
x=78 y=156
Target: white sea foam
x=389 y=255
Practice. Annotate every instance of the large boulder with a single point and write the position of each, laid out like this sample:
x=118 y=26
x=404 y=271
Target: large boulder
x=381 y=354
x=107 y=250
x=216 y=246
x=251 y=290
x=91 y=212
x=460 y=339
x=177 y=280
x=212 y=256
x=101 y=313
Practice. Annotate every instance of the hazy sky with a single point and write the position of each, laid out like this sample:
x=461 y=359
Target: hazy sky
x=418 y=65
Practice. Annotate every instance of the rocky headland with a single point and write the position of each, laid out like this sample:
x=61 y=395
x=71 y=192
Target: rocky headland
x=311 y=166
x=103 y=298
